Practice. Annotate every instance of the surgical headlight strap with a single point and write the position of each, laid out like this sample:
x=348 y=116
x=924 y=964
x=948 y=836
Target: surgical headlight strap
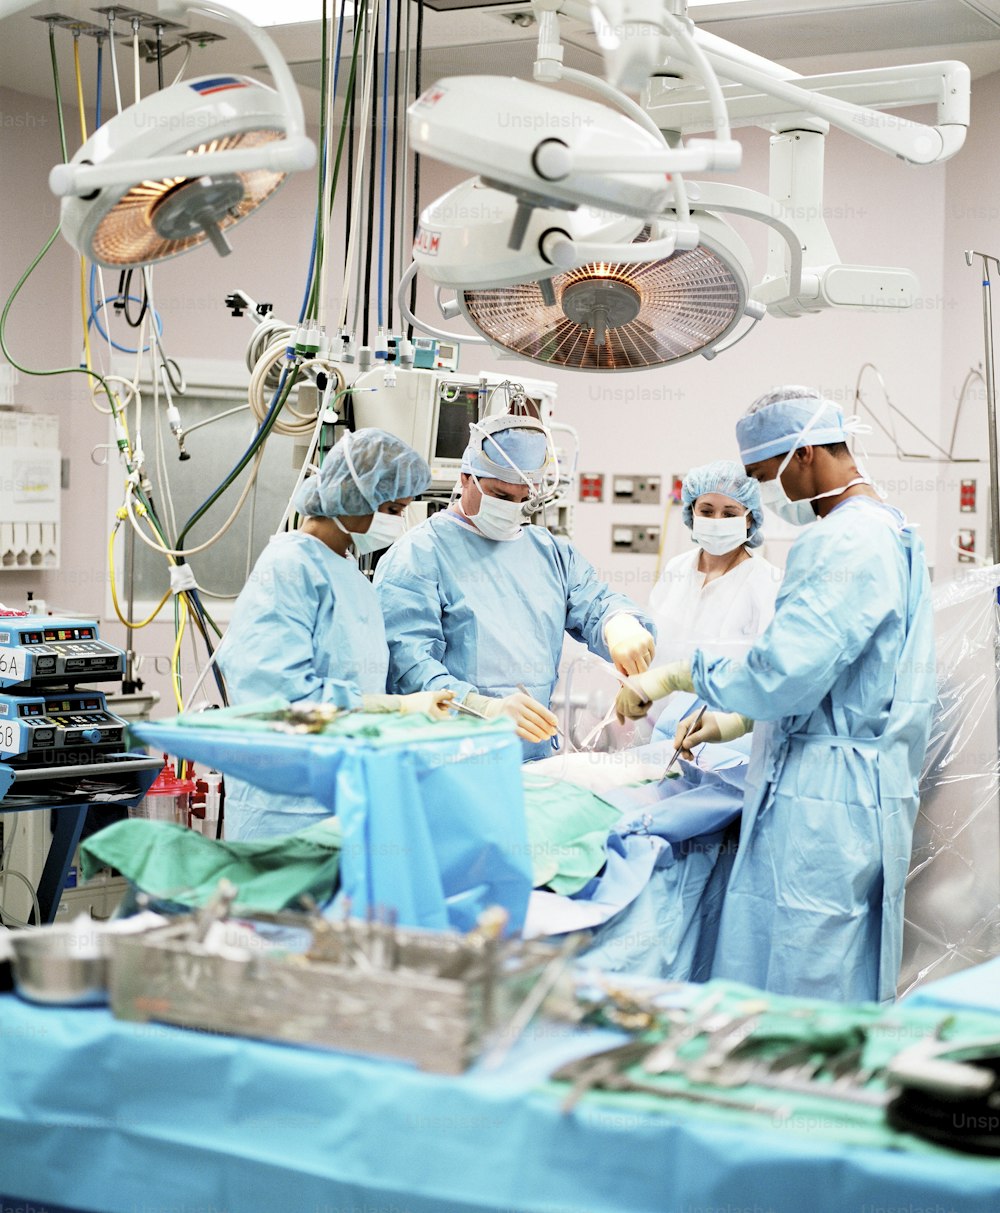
x=511 y=423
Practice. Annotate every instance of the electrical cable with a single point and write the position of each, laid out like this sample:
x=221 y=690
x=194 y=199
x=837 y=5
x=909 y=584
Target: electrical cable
x=370 y=57
x=391 y=273
x=114 y=59
x=55 y=80
x=316 y=253
x=159 y=56
x=129 y=623
x=380 y=313
x=405 y=150
x=101 y=305
x=184 y=63
x=100 y=79
x=370 y=227
x=417 y=88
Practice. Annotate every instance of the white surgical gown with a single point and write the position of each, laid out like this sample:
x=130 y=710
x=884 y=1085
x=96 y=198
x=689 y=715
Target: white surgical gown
x=467 y=613
x=723 y=617
x=845 y=679
x=307 y=626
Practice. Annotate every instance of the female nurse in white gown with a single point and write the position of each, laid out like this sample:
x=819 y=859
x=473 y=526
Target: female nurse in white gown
x=718 y=597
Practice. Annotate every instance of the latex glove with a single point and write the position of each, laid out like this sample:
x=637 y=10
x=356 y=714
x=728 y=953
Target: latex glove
x=430 y=702
x=534 y=721
x=640 y=690
x=630 y=645
x=713 y=726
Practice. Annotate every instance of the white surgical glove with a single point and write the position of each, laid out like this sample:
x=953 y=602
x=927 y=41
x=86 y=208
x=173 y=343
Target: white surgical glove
x=630 y=645
x=534 y=721
x=713 y=726
x=431 y=703
x=637 y=694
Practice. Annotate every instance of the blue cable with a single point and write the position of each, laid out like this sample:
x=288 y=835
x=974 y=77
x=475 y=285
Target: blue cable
x=381 y=192
x=95 y=307
x=100 y=75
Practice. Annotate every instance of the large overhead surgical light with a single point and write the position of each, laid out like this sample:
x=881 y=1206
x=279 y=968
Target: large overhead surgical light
x=182 y=166
x=618 y=299
x=587 y=289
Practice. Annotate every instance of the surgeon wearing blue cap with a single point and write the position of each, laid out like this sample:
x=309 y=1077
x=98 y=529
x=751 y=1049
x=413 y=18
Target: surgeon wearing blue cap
x=841 y=686
x=307 y=625
x=477 y=601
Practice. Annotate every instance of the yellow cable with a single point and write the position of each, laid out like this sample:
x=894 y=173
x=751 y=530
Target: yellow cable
x=79 y=88
x=175 y=676
x=114 y=589
x=83 y=260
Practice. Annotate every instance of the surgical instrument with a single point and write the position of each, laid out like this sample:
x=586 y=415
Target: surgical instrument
x=687 y=733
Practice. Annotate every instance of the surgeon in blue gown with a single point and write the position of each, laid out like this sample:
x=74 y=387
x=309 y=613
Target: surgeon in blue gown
x=307 y=625
x=841 y=686
x=478 y=602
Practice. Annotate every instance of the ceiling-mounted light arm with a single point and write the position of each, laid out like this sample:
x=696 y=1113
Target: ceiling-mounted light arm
x=550 y=69
x=295 y=151
x=553 y=160
x=568 y=254
x=737 y=200
x=402 y=299
x=914 y=142
x=646 y=22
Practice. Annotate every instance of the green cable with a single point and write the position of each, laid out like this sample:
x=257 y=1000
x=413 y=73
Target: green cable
x=251 y=450
x=55 y=77
x=317 y=261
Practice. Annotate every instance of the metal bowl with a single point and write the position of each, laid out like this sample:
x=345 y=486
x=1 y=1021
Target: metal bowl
x=65 y=965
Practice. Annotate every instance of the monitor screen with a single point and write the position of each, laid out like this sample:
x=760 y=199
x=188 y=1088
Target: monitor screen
x=454 y=418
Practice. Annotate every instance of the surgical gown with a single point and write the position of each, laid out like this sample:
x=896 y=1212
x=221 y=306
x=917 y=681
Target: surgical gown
x=723 y=617
x=467 y=613
x=307 y=626
x=845 y=679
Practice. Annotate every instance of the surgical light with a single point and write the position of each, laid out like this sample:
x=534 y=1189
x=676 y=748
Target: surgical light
x=615 y=316
x=183 y=165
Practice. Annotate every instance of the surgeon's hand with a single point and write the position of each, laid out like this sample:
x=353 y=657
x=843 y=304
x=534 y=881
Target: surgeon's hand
x=430 y=702
x=639 y=691
x=630 y=645
x=534 y=721
x=713 y=726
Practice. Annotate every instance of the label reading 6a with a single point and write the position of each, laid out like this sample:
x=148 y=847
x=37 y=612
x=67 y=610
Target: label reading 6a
x=11 y=664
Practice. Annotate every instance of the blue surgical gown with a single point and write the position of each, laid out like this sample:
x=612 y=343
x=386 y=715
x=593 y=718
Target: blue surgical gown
x=844 y=678
x=307 y=626
x=468 y=613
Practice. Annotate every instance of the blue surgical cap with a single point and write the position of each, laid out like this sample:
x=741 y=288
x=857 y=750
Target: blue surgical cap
x=384 y=469
x=773 y=424
x=524 y=446
x=727 y=477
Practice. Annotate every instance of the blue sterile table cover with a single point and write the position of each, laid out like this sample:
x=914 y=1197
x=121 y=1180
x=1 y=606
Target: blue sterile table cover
x=434 y=826
x=113 y=1117
x=975 y=989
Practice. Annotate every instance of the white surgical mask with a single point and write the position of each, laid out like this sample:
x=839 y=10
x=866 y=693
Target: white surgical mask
x=798 y=513
x=717 y=536
x=384 y=530
x=496 y=518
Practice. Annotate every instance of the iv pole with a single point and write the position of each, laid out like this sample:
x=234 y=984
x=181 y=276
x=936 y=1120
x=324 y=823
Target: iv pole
x=991 y=407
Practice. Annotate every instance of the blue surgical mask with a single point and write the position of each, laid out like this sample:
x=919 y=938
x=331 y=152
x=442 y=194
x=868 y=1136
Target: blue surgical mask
x=800 y=512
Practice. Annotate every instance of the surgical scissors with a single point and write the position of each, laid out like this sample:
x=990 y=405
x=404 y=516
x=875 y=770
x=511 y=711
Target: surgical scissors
x=463 y=710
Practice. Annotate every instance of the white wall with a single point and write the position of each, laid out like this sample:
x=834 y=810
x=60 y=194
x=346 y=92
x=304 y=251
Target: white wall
x=878 y=210
x=971 y=220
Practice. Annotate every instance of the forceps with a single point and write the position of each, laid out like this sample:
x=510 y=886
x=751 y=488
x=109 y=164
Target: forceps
x=687 y=734
x=463 y=710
